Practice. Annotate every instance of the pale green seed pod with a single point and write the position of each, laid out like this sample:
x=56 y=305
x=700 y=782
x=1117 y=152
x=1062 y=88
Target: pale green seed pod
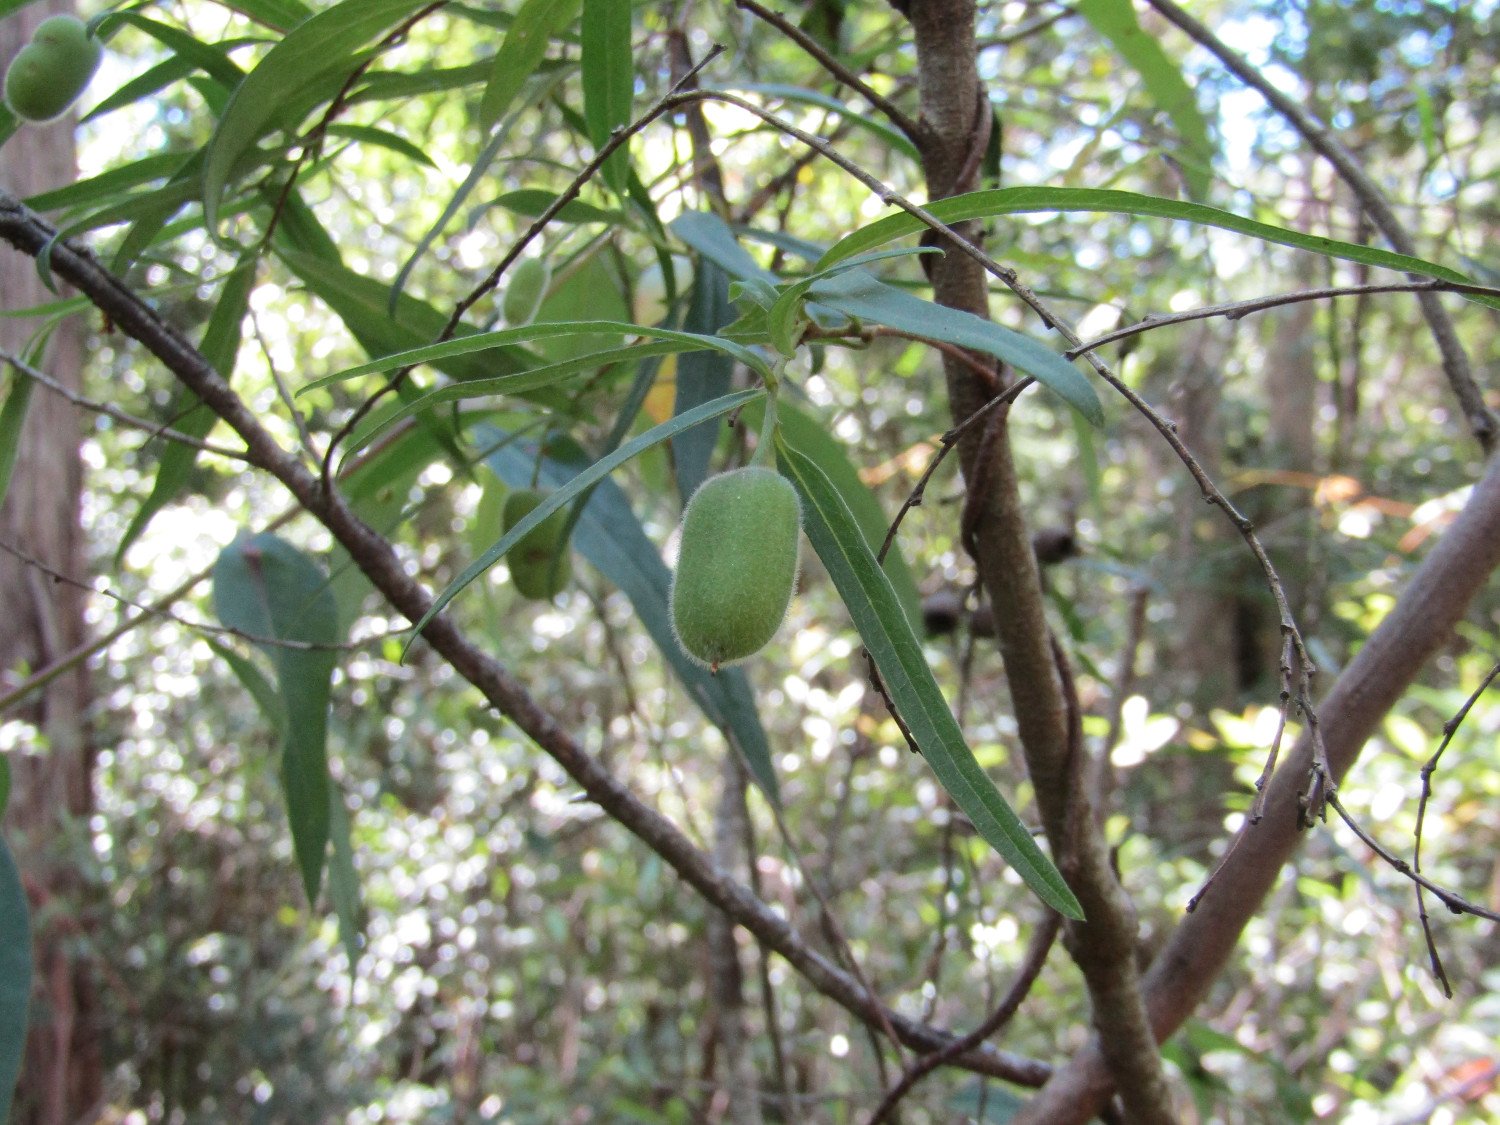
x=525 y=289
x=737 y=565
x=50 y=72
x=540 y=564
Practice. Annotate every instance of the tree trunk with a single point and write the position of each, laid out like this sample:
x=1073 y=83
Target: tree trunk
x=44 y=618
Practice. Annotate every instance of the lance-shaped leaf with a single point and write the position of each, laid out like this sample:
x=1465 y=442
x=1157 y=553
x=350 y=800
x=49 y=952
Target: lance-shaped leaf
x=1025 y=200
x=859 y=294
x=595 y=472
x=272 y=592
x=15 y=976
x=888 y=636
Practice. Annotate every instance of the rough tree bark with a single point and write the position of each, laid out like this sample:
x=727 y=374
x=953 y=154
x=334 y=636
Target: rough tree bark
x=61 y=1076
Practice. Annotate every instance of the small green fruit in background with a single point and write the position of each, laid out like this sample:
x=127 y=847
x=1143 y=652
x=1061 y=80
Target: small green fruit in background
x=737 y=565
x=525 y=290
x=535 y=566
x=50 y=72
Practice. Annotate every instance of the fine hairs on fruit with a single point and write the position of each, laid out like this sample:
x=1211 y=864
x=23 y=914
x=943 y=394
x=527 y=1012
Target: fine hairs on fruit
x=50 y=73
x=540 y=564
x=737 y=565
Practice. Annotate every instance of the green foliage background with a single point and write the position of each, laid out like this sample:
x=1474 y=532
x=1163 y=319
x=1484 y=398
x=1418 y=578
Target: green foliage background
x=519 y=956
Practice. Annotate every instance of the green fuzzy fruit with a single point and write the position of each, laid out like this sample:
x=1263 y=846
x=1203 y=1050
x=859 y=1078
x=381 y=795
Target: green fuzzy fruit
x=540 y=564
x=525 y=291
x=737 y=565
x=51 y=71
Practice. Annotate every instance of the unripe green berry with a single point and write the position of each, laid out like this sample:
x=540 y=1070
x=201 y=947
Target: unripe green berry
x=737 y=565
x=525 y=290
x=540 y=564
x=50 y=72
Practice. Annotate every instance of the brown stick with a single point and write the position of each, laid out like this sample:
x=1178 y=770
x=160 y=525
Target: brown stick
x=1458 y=567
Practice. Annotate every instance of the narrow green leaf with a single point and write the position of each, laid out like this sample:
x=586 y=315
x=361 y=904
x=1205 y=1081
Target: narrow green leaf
x=449 y=349
x=220 y=345
x=860 y=294
x=1023 y=200
x=548 y=375
x=268 y=589
x=611 y=538
x=211 y=58
x=315 y=49
x=12 y=422
x=859 y=117
x=279 y=15
x=4 y=796
x=15 y=976
x=813 y=438
x=110 y=184
x=608 y=80
x=877 y=615
x=381 y=138
x=343 y=881
x=595 y=472
x=1116 y=21
x=532 y=202
x=525 y=44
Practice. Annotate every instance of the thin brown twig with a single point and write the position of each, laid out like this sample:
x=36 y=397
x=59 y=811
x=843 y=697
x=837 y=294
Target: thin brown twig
x=201 y=626
x=789 y=30
x=1456 y=366
x=69 y=660
x=1449 y=729
x=151 y=429
x=1235 y=310
x=1454 y=902
x=1032 y=962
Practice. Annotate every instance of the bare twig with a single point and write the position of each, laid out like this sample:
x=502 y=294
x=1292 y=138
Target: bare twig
x=1482 y=421
x=1032 y=962
x=153 y=429
x=69 y=660
x=1449 y=729
x=789 y=30
x=1234 y=310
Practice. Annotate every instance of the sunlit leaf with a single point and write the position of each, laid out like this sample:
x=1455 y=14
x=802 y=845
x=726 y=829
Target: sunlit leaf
x=1023 y=200
x=1164 y=81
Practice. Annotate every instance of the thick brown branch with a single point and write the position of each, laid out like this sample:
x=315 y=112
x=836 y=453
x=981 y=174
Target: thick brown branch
x=1457 y=568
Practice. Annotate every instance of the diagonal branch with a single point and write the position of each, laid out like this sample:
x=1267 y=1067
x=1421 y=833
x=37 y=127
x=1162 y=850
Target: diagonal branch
x=380 y=563
x=1458 y=567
